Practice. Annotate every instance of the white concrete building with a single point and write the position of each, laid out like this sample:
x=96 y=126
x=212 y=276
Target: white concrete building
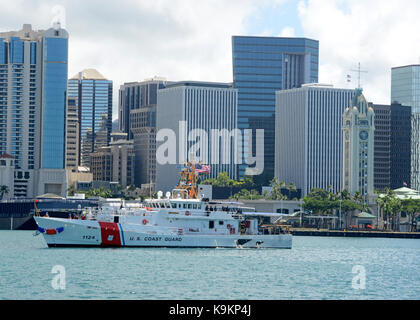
x=188 y=108
x=7 y=171
x=309 y=136
x=358 y=146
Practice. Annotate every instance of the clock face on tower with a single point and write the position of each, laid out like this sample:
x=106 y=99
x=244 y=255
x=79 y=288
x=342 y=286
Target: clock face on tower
x=363 y=135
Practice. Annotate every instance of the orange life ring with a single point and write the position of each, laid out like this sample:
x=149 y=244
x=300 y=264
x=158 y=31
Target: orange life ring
x=145 y=221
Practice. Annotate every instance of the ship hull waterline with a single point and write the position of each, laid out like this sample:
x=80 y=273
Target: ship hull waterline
x=91 y=233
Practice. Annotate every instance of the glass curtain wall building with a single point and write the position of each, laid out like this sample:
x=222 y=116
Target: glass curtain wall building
x=33 y=90
x=392 y=164
x=405 y=89
x=94 y=99
x=262 y=66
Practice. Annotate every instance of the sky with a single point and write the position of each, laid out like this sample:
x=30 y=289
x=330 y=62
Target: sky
x=132 y=40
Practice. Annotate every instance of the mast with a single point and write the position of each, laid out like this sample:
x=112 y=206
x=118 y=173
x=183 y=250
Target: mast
x=188 y=180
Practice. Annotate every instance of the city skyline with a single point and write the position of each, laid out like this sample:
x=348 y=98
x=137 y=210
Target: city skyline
x=352 y=35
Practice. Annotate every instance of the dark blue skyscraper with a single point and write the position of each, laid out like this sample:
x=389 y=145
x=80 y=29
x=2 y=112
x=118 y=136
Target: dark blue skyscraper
x=55 y=56
x=261 y=66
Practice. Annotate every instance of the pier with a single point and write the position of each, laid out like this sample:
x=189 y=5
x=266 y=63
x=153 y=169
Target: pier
x=362 y=234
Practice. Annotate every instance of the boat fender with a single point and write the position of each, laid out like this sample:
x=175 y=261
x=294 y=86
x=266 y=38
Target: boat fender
x=145 y=221
x=187 y=213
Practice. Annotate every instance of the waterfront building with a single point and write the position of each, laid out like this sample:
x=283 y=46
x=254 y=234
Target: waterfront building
x=72 y=134
x=137 y=118
x=262 y=66
x=189 y=108
x=33 y=92
x=7 y=171
x=405 y=89
x=309 y=136
x=392 y=155
x=358 y=146
x=93 y=93
x=114 y=163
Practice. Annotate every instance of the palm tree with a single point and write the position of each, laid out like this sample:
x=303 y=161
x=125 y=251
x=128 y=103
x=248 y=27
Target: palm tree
x=71 y=190
x=3 y=190
x=291 y=188
x=390 y=205
x=276 y=188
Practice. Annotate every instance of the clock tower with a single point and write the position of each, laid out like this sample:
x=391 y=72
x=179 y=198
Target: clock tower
x=358 y=146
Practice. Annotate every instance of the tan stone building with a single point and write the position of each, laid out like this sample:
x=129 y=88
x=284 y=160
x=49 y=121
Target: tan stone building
x=114 y=163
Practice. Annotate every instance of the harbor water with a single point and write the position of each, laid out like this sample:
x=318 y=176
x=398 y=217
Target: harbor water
x=316 y=268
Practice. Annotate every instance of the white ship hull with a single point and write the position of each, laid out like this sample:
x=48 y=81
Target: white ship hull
x=90 y=233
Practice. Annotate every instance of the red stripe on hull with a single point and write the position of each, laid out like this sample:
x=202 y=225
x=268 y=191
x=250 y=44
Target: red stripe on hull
x=110 y=234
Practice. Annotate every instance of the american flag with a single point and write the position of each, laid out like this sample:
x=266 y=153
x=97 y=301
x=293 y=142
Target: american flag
x=201 y=168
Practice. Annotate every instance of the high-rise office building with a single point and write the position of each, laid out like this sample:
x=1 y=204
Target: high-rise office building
x=262 y=66
x=203 y=118
x=114 y=163
x=137 y=117
x=309 y=136
x=392 y=163
x=72 y=136
x=7 y=170
x=358 y=146
x=405 y=89
x=33 y=92
x=94 y=103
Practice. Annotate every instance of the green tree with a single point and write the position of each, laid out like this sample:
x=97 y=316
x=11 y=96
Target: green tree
x=3 y=190
x=412 y=208
x=390 y=206
x=117 y=192
x=245 y=194
x=276 y=189
x=71 y=190
x=291 y=187
x=348 y=205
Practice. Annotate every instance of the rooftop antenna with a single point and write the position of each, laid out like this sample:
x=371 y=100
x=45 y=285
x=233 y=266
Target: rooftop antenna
x=359 y=72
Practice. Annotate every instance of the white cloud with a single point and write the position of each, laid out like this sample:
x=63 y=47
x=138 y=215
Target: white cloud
x=378 y=34
x=132 y=40
x=287 y=32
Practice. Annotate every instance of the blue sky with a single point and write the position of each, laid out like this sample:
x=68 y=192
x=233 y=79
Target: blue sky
x=271 y=18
